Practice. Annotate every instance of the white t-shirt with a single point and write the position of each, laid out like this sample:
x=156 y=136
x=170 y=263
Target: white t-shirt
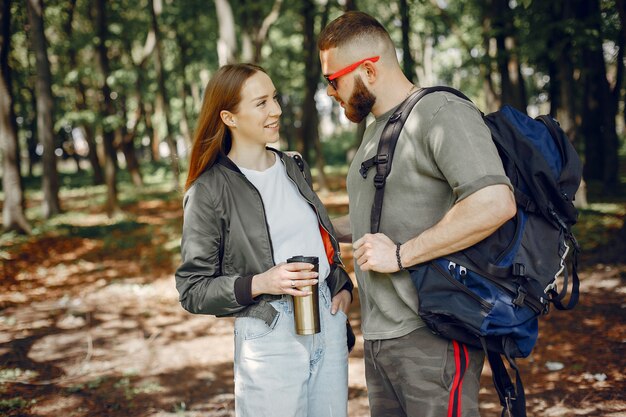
x=293 y=224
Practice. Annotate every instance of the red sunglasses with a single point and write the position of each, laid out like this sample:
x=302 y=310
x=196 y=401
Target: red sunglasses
x=332 y=78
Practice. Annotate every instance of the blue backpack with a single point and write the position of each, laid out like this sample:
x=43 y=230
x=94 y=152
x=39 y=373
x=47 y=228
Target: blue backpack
x=491 y=294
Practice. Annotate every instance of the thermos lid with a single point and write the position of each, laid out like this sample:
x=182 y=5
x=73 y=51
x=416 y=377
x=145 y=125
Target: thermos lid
x=308 y=259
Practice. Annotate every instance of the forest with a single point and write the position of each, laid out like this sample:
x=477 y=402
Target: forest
x=111 y=84
x=98 y=104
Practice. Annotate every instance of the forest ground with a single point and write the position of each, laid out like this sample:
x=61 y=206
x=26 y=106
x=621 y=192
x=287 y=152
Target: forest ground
x=90 y=324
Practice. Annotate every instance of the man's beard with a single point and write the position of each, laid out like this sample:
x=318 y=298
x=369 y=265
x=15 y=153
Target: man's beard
x=360 y=103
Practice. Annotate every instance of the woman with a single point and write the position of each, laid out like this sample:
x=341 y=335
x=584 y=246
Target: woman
x=247 y=209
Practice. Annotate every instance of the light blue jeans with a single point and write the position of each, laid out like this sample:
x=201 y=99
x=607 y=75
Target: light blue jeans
x=281 y=374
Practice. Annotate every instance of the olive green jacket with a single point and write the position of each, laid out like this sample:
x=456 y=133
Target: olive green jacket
x=226 y=241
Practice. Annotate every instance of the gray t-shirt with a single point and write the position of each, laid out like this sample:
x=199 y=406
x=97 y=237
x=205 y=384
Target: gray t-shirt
x=444 y=154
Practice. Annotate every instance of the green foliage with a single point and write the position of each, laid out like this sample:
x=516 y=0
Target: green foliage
x=598 y=224
x=131 y=390
x=336 y=148
x=13 y=404
x=91 y=385
x=15 y=374
x=451 y=38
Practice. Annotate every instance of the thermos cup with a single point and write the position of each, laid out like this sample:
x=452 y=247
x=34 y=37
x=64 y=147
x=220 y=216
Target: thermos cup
x=306 y=310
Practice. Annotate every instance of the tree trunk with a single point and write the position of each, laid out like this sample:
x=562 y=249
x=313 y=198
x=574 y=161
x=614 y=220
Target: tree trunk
x=155 y=10
x=31 y=130
x=184 y=92
x=310 y=118
x=126 y=142
x=152 y=133
x=107 y=109
x=407 y=57
x=360 y=129
x=492 y=101
x=350 y=5
x=512 y=83
x=81 y=103
x=227 y=42
x=31 y=141
x=45 y=125
x=13 y=217
x=562 y=84
x=261 y=34
x=144 y=108
x=599 y=107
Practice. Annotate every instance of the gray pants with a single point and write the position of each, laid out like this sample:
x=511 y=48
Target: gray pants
x=422 y=375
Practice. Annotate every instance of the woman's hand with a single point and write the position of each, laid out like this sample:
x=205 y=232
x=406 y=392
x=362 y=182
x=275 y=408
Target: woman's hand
x=285 y=278
x=341 y=301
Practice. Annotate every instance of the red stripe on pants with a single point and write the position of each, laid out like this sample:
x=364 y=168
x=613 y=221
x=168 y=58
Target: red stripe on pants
x=461 y=361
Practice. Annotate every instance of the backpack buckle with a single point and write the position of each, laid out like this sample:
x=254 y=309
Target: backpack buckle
x=509 y=397
x=375 y=160
x=520 y=297
x=519 y=270
x=379 y=180
x=381 y=159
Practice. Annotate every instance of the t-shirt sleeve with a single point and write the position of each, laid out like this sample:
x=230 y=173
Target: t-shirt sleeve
x=462 y=149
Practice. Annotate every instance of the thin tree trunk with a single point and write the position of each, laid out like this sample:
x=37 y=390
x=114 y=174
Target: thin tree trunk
x=407 y=56
x=350 y=5
x=31 y=139
x=310 y=117
x=227 y=42
x=151 y=132
x=68 y=146
x=81 y=103
x=144 y=108
x=599 y=107
x=50 y=182
x=512 y=83
x=492 y=101
x=261 y=34
x=184 y=92
x=155 y=10
x=13 y=217
x=562 y=84
x=126 y=142
x=360 y=129
x=107 y=108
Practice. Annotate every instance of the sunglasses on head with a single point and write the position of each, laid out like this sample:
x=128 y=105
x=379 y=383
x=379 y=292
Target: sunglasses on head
x=332 y=78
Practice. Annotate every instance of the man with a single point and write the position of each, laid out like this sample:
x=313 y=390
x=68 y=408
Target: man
x=446 y=191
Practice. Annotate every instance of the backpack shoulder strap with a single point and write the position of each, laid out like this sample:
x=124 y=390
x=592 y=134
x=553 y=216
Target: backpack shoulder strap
x=387 y=145
x=512 y=397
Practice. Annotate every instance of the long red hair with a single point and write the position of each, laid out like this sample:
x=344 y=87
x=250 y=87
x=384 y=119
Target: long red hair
x=212 y=136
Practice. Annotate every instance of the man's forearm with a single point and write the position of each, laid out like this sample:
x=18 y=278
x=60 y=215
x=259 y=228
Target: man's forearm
x=468 y=222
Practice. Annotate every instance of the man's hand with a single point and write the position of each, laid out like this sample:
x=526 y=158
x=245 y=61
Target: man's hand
x=376 y=253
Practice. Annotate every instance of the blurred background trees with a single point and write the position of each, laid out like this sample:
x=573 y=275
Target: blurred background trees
x=103 y=86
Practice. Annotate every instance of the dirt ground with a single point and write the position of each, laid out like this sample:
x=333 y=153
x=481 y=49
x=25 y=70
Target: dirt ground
x=90 y=326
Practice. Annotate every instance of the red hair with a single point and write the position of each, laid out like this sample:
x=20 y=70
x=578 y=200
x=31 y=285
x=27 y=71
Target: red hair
x=223 y=92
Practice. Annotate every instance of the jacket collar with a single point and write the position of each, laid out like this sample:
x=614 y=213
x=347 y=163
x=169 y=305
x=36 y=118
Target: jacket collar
x=225 y=161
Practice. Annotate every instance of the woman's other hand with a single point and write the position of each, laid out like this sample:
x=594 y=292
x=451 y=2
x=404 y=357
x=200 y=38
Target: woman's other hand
x=285 y=278
x=341 y=301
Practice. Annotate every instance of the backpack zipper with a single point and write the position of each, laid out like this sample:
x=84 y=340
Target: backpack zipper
x=486 y=306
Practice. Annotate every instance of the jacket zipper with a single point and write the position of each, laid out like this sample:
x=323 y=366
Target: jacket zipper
x=319 y=220
x=484 y=304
